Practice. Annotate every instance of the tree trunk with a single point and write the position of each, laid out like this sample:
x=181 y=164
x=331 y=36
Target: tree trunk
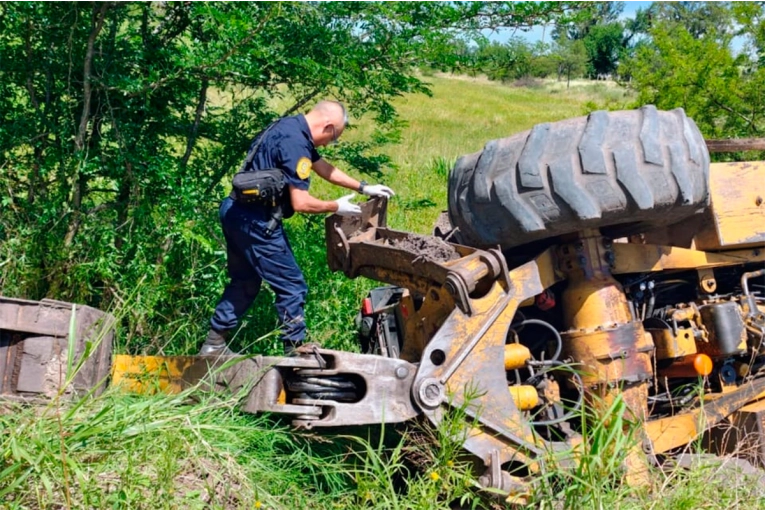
x=79 y=181
x=194 y=131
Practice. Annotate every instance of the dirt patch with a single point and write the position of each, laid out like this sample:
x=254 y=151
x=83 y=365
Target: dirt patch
x=431 y=248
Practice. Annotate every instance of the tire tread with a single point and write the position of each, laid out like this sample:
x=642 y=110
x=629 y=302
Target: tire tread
x=605 y=170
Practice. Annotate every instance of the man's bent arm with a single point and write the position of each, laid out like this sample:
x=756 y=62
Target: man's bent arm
x=303 y=202
x=334 y=175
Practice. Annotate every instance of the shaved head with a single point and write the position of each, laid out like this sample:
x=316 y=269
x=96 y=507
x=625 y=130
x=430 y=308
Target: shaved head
x=327 y=120
x=332 y=109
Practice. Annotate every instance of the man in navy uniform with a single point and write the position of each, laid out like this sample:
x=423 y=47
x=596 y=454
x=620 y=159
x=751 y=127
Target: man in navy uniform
x=257 y=251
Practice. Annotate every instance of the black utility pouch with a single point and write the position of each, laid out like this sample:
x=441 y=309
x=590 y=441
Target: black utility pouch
x=262 y=187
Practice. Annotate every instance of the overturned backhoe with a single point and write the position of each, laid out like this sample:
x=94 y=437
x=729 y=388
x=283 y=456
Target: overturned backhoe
x=583 y=261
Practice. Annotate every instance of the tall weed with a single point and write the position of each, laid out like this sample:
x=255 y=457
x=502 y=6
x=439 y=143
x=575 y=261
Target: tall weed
x=595 y=478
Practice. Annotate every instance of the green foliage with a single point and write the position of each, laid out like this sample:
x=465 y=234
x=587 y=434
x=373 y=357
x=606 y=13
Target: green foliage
x=688 y=62
x=596 y=480
x=594 y=15
x=197 y=450
x=120 y=212
x=605 y=45
x=602 y=34
x=122 y=123
x=505 y=62
x=123 y=451
x=698 y=18
x=571 y=57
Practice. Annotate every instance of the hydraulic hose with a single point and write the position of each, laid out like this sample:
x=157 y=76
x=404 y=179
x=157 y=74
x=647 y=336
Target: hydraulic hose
x=549 y=326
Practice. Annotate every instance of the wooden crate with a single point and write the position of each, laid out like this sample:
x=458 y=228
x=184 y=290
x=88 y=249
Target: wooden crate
x=34 y=348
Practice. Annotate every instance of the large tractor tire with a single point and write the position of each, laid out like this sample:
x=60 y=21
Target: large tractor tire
x=632 y=170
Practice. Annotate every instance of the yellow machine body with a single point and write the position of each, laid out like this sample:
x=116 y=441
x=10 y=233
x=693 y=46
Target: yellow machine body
x=464 y=314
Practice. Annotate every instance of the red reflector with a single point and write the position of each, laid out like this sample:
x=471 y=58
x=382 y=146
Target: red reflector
x=545 y=300
x=366 y=307
x=404 y=311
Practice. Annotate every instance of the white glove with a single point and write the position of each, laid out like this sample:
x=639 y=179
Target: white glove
x=378 y=190
x=346 y=208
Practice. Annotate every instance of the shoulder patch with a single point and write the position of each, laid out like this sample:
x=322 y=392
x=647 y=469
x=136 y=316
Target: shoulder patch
x=303 y=169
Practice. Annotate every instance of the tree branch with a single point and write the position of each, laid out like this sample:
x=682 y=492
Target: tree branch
x=198 y=69
x=730 y=110
x=301 y=102
x=194 y=131
x=97 y=24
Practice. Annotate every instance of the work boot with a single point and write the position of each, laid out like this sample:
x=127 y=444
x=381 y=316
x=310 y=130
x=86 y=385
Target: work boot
x=290 y=346
x=215 y=345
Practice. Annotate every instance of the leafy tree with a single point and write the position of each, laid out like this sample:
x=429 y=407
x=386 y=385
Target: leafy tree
x=455 y=55
x=603 y=36
x=605 y=44
x=543 y=63
x=570 y=56
x=121 y=122
x=688 y=62
x=597 y=13
x=504 y=62
x=698 y=18
x=750 y=19
x=636 y=28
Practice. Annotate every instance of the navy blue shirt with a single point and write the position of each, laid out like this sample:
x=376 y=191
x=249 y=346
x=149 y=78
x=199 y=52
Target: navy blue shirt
x=288 y=146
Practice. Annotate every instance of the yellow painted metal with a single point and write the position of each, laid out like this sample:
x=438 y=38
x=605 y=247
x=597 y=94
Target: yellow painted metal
x=479 y=338
x=668 y=433
x=421 y=325
x=642 y=258
x=601 y=334
x=464 y=378
x=547 y=273
x=673 y=345
x=150 y=374
x=737 y=212
x=674 y=431
x=608 y=356
x=524 y=396
x=516 y=356
x=595 y=303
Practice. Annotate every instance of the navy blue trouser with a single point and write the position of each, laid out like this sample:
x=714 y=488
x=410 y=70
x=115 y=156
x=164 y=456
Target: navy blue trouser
x=253 y=257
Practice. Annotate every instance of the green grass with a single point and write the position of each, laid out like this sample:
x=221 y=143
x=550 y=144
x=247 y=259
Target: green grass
x=194 y=450
x=121 y=451
x=197 y=451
